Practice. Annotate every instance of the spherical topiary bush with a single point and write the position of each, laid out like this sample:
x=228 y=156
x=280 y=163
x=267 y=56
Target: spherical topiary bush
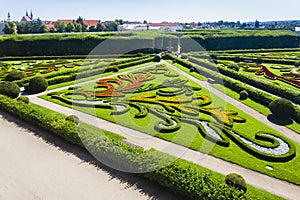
x=15 y=75
x=237 y=181
x=9 y=89
x=73 y=118
x=243 y=95
x=23 y=99
x=282 y=108
x=37 y=84
x=157 y=58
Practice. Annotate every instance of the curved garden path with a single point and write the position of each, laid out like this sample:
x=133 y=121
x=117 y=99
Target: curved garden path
x=272 y=185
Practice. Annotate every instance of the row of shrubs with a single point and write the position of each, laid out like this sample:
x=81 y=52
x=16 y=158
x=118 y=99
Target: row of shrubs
x=260 y=60
x=180 y=177
x=17 y=58
x=242 y=51
x=71 y=75
x=254 y=93
x=265 y=85
x=238 y=42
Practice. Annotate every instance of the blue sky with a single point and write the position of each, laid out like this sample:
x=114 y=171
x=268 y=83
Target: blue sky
x=155 y=10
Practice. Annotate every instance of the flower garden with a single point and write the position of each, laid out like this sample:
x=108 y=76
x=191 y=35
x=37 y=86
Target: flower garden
x=155 y=99
x=163 y=103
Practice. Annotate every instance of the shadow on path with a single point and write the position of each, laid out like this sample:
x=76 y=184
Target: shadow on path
x=281 y=122
x=144 y=186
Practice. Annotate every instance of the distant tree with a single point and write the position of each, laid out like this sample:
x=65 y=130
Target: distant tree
x=244 y=25
x=256 y=25
x=10 y=28
x=60 y=26
x=145 y=22
x=111 y=26
x=83 y=25
x=38 y=27
x=70 y=27
x=78 y=27
x=99 y=27
x=92 y=29
x=120 y=21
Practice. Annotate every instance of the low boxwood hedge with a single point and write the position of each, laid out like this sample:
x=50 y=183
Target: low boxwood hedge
x=180 y=177
x=255 y=94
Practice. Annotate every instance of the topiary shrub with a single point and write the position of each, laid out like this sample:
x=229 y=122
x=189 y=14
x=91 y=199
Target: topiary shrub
x=243 y=95
x=233 y=66
x=282 y=108
x=116 y=69
x=237 y=181
x=9 y=89
x=73 y=118
x=157 y=58
x=37 y=84
x=192 y=69
x=15 y=75
x=23 y=99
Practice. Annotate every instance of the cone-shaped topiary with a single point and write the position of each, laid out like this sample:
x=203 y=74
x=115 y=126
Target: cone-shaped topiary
x=282 y=108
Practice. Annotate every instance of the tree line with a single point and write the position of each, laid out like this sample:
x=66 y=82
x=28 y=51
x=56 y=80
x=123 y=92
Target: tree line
x=37 y=26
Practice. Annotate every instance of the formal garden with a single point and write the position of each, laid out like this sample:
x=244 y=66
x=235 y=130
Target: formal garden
x=143 y=91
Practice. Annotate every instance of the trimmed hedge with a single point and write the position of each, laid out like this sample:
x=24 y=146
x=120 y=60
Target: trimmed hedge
x=37 y=84
x=23 y=99
x=181 y=177
x=15 y=75
x=255 y=94
x=282 y=108
x=243 y=95
x=9 y=89
x=237 y=181
x=265 y=85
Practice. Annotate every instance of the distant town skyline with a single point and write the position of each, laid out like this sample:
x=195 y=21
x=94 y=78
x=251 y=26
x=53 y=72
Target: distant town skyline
x=155 y=10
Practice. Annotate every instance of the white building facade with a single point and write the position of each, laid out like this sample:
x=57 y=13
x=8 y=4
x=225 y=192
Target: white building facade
x=173 y=27
x=2 y=25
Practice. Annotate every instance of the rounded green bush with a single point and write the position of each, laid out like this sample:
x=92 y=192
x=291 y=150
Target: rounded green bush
x=23 y=99
x=234 y=66
x=15 y=75
x=282 y=108
x=9 y=89
x=157 y=58
x=243 y=95
x=73 y=118
x=237 y=181
x=37 y=84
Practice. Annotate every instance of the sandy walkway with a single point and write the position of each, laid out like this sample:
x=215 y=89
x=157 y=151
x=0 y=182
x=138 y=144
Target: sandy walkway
x=34 y=169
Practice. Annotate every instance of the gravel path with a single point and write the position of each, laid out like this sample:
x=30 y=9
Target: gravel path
x=37 y=165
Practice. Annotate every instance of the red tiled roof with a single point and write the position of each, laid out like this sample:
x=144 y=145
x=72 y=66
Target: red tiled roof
x=91 y=22
x=26 y=19
x=86 y=22
x=50 y=25
x=163 y=24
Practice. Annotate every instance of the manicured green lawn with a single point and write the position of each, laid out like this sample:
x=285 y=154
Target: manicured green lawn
x=256 y=106
x=189 y=136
